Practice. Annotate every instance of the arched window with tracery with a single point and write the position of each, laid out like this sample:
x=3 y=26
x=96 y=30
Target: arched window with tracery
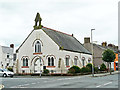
x=37 y=47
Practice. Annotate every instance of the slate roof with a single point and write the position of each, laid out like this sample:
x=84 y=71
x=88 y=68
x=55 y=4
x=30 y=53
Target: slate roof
x=106 y=47
x=66 y=41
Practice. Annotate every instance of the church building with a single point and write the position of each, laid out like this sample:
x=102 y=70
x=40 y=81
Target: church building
x=46 y=48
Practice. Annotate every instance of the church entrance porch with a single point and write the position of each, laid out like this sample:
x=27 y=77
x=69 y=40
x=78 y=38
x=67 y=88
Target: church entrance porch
x=38 y=65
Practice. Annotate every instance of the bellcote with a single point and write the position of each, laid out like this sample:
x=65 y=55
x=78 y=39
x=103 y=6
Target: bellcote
x=38 y=20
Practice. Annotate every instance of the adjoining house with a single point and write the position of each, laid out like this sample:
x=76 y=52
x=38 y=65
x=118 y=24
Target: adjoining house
x=45 y=48
x=98 y=50
x=6 y=56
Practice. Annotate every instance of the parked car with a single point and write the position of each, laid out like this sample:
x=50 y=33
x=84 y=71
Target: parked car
x=6 y=73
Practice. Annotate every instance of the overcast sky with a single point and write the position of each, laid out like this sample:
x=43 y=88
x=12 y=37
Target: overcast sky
x=69 y=16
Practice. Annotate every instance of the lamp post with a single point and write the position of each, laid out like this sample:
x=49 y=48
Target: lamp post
x=92 y=52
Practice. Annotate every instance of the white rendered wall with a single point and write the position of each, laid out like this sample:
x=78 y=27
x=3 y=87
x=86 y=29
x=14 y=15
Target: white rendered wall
x=49 y=48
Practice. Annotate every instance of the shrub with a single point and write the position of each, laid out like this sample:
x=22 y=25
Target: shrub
x=89 y=65
x=74 y=69
x=102 y=67
x=45 y=71
x=10 y=69
x=96 y=69
x=71 y=70
x=85 y=69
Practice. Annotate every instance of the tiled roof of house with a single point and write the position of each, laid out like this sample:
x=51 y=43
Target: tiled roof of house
x=65 y=41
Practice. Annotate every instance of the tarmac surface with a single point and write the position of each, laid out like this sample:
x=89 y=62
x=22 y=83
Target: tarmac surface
x=104 y=80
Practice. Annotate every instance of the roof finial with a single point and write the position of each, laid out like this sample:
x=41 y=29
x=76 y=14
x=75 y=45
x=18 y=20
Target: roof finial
x=38 y=20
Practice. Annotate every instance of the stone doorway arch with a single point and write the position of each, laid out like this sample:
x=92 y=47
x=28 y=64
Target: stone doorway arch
x=37 y=64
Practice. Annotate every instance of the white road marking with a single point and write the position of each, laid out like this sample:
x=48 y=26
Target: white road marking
x=20 y=85
x=60 y=79
x=68 y=78
x=49 y=81
x=98 y=86
x=107 y=83
x=104 y=84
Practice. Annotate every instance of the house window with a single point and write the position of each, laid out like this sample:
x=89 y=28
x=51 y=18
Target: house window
x=67 y=61
x=50 y=61
x=37 y=47
x=25 y=62
x=83 y=61
x=75 y=60
x=14 y=57
x=8 y=55
x=89 y=60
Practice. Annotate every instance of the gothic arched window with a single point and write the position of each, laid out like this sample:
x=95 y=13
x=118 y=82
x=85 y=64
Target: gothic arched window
x=37 y=47
x=75 y=60
x=67 y=60
x=50 y=61
x=83 y=61
x=25 y=62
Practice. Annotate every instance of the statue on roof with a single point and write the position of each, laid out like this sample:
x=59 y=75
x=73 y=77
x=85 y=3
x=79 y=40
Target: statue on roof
x=38 y=20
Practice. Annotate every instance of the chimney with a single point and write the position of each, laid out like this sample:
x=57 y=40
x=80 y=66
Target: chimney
x=87 y=40
x=113 y=46
x=11 y=45
x=72 y=35
x=104 y=44
x=116 y=47
x=109 y=45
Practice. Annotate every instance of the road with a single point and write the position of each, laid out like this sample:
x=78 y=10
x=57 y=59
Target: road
x=86 y=81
